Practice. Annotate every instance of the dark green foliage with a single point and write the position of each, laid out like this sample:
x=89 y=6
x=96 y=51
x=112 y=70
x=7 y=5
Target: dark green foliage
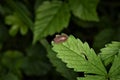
x=37 y=61
x=48 y=19
x=81 y=58
x=27 y=28
x=60 y=66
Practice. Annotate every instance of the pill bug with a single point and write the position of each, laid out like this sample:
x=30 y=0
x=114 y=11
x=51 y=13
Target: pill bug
x=60 y=38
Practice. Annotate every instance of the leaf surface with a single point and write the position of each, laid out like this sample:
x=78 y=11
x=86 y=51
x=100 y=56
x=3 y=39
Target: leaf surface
x=114 y=71
x=51 y=17
x=80 y=57
x=108 y=53
x=84 y=9
x=60 y=66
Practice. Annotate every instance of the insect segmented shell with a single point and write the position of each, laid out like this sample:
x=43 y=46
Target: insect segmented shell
x=60 y=38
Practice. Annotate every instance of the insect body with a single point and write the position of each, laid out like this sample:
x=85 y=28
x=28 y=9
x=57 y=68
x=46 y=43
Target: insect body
x=60 y=38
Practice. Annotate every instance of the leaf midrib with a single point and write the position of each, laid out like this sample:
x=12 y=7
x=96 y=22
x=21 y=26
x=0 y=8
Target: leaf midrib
x=51 y=19
x=84 y=59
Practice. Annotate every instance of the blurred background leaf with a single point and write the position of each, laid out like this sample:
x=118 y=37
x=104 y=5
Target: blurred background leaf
x=16 y=25
x=36 y=62
x=84 y=9
x=12 y=60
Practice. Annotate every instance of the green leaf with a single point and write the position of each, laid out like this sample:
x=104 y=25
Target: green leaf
x=51 y=17
x=22 y=12
x=60 y=66
x=84 y=9
x=92 y=77
x=36 y=61
x=17 y=24
x=80 y=57
x=108 y=53
x=12 y=19
x=114 y=71
x=13 y=30
x=12 y=59
x=23 y=30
